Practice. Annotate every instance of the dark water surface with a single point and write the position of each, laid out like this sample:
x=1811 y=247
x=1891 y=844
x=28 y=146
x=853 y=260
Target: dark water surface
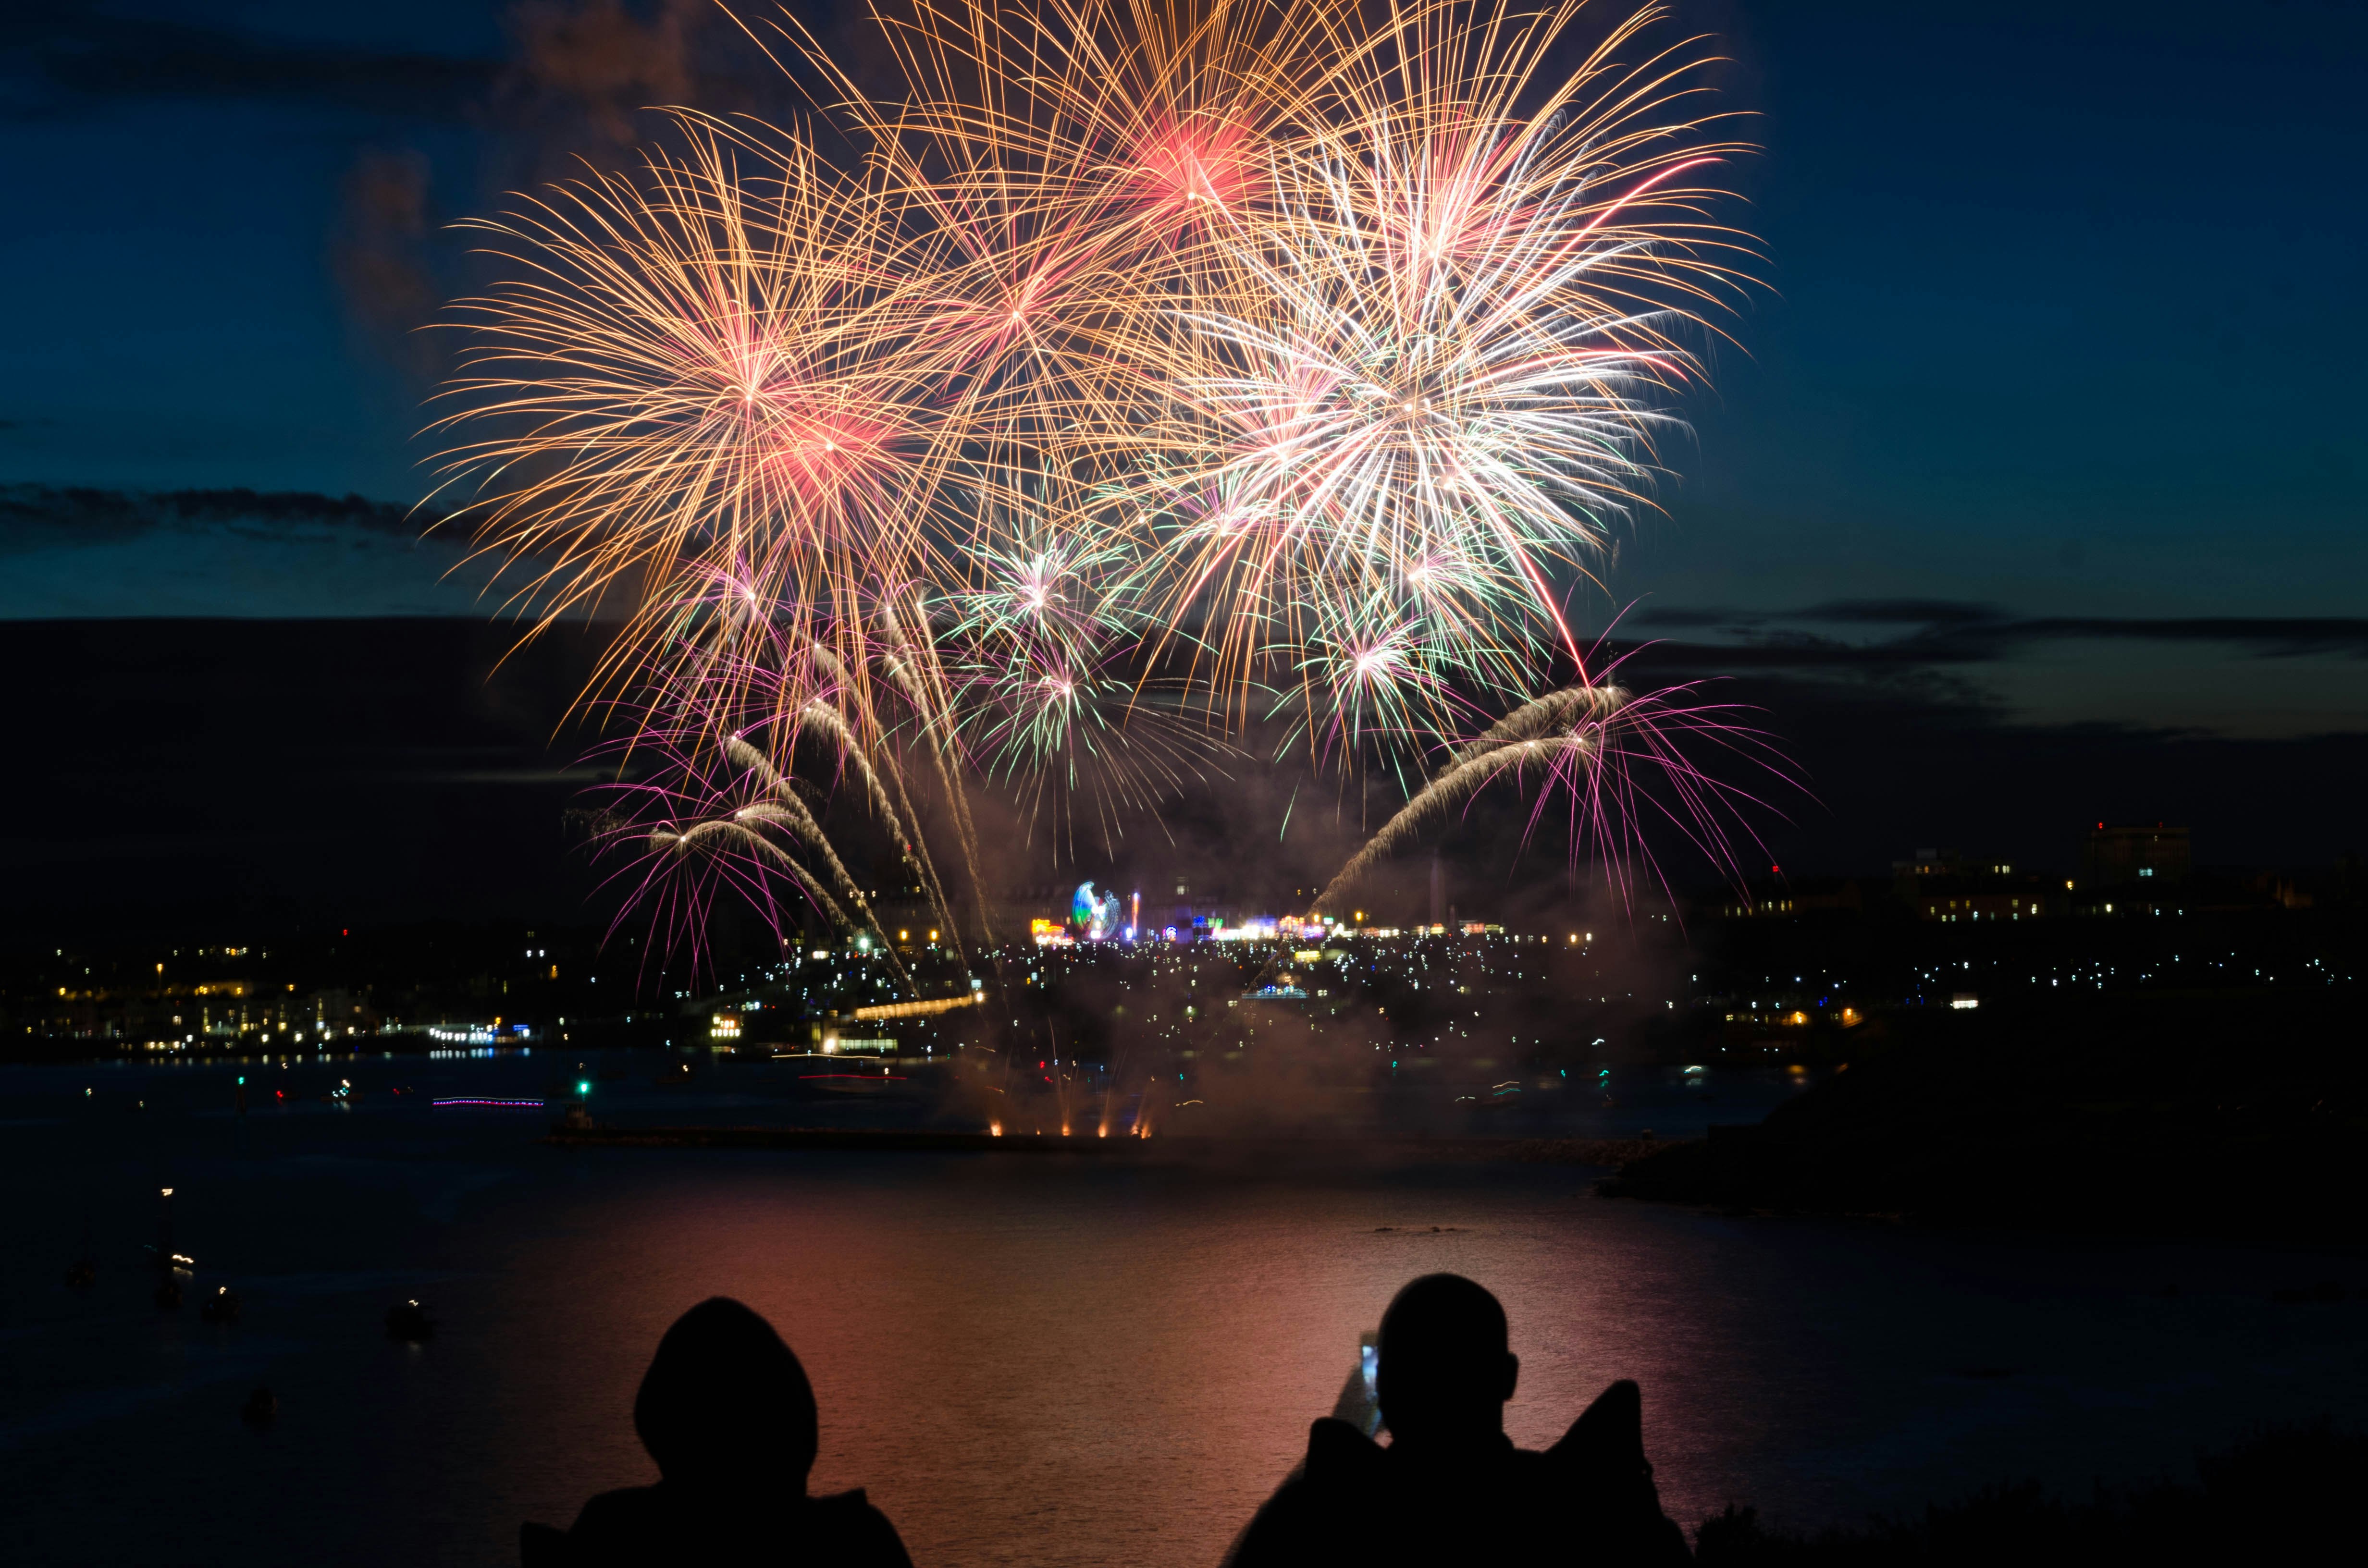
x=1028 y=1360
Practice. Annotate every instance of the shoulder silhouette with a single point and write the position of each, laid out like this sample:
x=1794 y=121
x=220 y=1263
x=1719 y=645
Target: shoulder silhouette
x=728 y=1415
x=1449 y=1486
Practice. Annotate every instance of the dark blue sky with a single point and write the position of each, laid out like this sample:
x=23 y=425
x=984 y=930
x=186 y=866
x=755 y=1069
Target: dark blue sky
x=2049 y=410
x=2066 y=304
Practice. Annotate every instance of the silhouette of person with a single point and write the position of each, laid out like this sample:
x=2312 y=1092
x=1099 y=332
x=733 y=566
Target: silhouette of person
x=726 y=1412
x=1449 y=1486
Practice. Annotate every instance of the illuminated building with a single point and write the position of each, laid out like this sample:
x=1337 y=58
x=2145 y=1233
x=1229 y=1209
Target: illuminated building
x=2121 y=857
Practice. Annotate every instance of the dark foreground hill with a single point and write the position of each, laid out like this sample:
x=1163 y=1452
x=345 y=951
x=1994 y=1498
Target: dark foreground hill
x=2239 y=1116
x=2280 y=1496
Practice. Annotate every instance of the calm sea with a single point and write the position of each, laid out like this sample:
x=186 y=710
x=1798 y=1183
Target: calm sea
x=1026 y=1360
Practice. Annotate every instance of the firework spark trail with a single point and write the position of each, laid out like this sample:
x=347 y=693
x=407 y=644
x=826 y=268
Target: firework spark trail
x=828 y=723
x=1421 y=421
x=911 y=846
x=1456 y=784
x=1082 y=155
x=736 y=834
x=675 y=881
x=748 y=692
x=1036 y=647
x=913 y=843
x=704 y=838
x=1380 y=421
x=1323 y=353
x=1594 y=740
x=682 y=842
x=818 y=717
x=911 y=664
x=785 y=807
x=1534 y=719
x=938 y=899
x=702 y=367
x=1056 y=734
x=1556 y=196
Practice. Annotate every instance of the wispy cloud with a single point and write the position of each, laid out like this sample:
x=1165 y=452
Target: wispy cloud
x=76 y=553
x=44 y=516
x=1948 y=631
x=64 y=53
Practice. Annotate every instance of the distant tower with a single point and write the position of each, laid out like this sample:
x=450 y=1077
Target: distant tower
x=1437 y=891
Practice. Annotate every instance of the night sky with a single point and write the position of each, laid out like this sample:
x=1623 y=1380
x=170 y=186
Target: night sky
x=2030 y=496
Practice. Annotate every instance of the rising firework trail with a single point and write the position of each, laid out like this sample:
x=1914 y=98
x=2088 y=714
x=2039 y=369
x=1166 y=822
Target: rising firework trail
x=1618 y=759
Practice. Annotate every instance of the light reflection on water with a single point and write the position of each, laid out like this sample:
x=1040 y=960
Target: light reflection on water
x=628 y=1089
x=1025 y=1359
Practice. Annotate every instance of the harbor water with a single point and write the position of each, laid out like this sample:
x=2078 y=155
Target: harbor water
x=1024 y=1359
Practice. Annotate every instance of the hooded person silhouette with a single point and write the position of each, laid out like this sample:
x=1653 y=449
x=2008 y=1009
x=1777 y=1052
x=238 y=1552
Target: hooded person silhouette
x=1450 y=1487
x=726 y=1412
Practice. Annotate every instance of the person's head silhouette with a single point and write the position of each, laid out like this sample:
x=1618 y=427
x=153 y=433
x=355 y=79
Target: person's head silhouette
x=725 y=1404
x=1444 y=1372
